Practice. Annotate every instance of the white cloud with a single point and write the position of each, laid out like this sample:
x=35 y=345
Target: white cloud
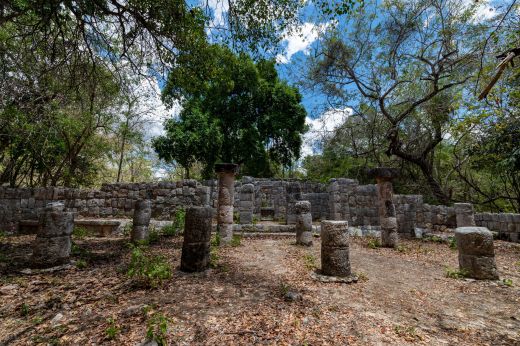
x=300 y=41
x=219 y=8
x=322 y=127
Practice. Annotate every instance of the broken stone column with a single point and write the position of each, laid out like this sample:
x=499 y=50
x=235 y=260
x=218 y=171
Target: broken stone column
x=303 y=223
x=476 y=252
x=197 y=236
x=226 y=195
x=293 y=195
x=52 y=244
x=335 y=259
x=465 y=214
x=387 y=214
x=247 y=203
x=141 y=221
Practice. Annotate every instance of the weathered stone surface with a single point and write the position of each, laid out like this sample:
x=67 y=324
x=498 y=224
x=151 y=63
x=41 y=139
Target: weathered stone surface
x=335 y=259
x=49 y=252
x=303 y=223
x=52 y=244
x=387 y=210
x=476 y=252
x=141 y=220
x=334 y=233
x=226 y=194
x=465 y=214
x=197 y=235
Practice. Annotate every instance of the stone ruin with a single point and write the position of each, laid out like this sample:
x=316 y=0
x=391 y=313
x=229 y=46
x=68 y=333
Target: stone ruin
x=197 y=237
x=253 y=199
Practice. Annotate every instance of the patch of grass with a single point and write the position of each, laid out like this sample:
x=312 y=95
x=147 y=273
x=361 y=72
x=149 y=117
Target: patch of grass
x=362 y=277
x=24 y=309
x=113 y=330
x=214 y=257
x=81 y=264
x=402 y=248
x=453 y=273
x=236 y=217
x=215 y=240
x=177 y=226
x=79 y=251
x=452 y=243
x=37 y=320
x=433 y=239
x=128 y=229
x=373 y=243
x=507 y=282
x=79 y=232
x=407 y=332
x=157 y=329
x=148 y=270
x=3 y=234
x=4 y=258
x=154 y=236
x=310 y=261
x=255 y=220
x=284 y=288
x=236 y=240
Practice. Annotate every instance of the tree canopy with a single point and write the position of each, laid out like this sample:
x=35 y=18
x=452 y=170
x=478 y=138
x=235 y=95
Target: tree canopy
x=234 y=110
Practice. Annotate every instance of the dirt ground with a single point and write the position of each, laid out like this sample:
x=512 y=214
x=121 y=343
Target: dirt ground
x=403 y=298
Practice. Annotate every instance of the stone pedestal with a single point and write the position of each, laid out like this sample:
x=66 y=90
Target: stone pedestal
x=303 y=223
x=387 y=213
x=226 y=191
x=293 y=195
x=53 y=243
x=476 y=252
x=141 y=221
x=197 y=236
x=465 y=214
x=335 y=260
x=247 y=203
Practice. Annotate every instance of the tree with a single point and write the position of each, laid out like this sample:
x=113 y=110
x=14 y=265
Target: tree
x=409 y=66
x=259 y=117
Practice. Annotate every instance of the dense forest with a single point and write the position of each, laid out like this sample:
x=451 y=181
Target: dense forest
x=112 y=91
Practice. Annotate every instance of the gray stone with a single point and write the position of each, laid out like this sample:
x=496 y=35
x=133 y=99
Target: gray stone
x=197 y=235
x=141 y=220
x=476 y=252
x=335 y=259
x=465 y=215
x=303 y=223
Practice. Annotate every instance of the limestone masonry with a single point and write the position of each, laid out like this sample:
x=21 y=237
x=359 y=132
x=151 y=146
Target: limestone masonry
x=261 y=199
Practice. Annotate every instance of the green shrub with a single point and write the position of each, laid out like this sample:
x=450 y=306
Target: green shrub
x=236 y=240
x=452 y=242
x=310 y=261
x=81 y=264
x=79 y=232
x=455 y=273
x=127 y=230
x=148 y=270
x=112 y=330
x=236 y=217
x=169 y=231
x=507 y=282
x=157 y=329
x=177 y=226
x=24 y=309
x=215 y=240
x=154 y=236
x=373 y=243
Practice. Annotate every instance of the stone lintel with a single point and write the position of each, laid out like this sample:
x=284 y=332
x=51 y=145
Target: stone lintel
x=226 y=168
x=383 y=173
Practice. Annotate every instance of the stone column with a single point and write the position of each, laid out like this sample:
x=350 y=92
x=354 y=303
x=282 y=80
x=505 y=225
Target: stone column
x=247 y=203
x=476 y=252
x=303 y=223
x=293 y=194
x=335 y=259
x=52 y=244
x=387 y=214
x=226 y=195
x=197 y=236
x=141 y=221
x=465 y=214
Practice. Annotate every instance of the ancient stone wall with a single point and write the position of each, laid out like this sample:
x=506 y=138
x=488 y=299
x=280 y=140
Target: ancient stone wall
x=340 y=199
